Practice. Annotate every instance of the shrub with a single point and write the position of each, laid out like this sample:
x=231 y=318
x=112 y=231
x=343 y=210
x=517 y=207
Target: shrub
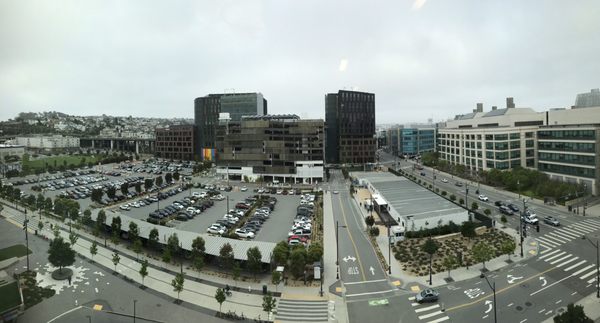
x=374 y=231
x=444 y=193
x=453 y=197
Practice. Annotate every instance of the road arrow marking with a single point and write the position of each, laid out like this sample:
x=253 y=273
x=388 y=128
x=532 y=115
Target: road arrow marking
x=345 y=259
x=544 y=279
x=372 y=270
x=488 y=302
x=511 y=279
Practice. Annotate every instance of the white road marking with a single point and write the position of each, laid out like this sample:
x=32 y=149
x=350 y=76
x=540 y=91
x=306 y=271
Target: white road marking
x=575 y=265
x=511 y=304
x=573 y=231
x=441 y=319
x=485 y=317
x=548 y=312
x=523 y=321
x=566 y=262
x=96 y=289
x=422 y=317
x=415 y=304
x=366 y=282
x=371 y=293
x=556 y=282
x=567 y=234
x=548 y=254
x=412 y=298
x=573 y=293
x=588 y=274
x=582 y=270
x=561 y=259
x=558 y=302
x=556 y=256
x=424 y=309
x=540 y=311
x=591 y=280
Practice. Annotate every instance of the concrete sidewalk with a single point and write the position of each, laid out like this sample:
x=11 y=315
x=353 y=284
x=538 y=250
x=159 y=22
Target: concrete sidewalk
x=591 y=307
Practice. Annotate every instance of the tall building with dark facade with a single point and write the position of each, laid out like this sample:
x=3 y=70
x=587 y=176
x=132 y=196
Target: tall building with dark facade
x=175 y=142
x=350 y=127
x=207 y=109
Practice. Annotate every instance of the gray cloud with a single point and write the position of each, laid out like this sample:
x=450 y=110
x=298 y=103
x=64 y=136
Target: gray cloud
x=153 y=58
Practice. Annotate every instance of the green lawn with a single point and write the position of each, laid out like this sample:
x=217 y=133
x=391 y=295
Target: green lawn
x=18 y=250
x=9 y=297
x=60 y=160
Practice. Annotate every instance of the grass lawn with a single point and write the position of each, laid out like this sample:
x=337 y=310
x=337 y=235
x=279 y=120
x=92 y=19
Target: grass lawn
x=9 y=297
x=58 y=161
x=17 y=250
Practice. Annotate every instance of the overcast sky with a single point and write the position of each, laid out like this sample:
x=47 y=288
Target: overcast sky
x=422 y=59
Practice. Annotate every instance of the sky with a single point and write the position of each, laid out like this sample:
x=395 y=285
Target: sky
x=423 y=59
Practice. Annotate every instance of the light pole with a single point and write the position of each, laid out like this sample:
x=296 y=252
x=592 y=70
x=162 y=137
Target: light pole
x=389 y=249
x=134 y=301
x=521 y=227
x=466 y=195
x=584 y=195
x=25 y=223
x=519 y=188
x=493 y=288
x=337 y=247
x=597 y=246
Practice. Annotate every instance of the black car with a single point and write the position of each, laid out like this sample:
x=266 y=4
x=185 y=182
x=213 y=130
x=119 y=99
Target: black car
x=459 y=184
x=505 y=210
x=499 y=203
x=513 y=208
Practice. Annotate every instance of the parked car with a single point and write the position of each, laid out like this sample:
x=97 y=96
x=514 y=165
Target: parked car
x=530 y=219
x=427 y=295
x=551 y=221
x=499 y=203
x=215 y=229
x=242 y=233
x=459 y=184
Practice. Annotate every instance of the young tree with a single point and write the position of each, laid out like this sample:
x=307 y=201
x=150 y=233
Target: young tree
x=87 y=217
x=449 y=263
x=153 y=239
x=60 y=253
x=101 y=220
x=173 y=244
x=110 y=192
x=487 y=212
x=468 y=229
x=269 y=303
x=298 y=261
x=275 y=278
x=138 y=187
x=573 y=314
x=115 y=259
x=137 y=248
x=226 y=256
x=176 y=176
x=503 y=219
x=158 y=181
x=430 y=247
x=482 y=253
x=116 y=224
x=134 y=231
x=166 y=256
x=114 y=238
x=40 y=225
x=148 y=183
x=370 y=221
x=474 y=206
x=73 y=237
x=220 y=297
x=94 y=249
x=97 y=195
x=508 y=247
x=177 y=284
x=144 y=270
x=281 y=253
x=254 y=260
x=198 y=249
x=168 y=178
x=125 y=188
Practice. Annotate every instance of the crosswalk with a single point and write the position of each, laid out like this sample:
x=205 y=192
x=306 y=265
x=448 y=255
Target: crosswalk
x=568 y=233
x=429 y=313
x=292 y=310
x=575 y=266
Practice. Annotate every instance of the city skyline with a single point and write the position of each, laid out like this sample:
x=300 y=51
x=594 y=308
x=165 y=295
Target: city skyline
x=430 y=58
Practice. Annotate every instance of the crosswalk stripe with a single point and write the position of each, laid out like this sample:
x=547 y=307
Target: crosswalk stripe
x=575 y=265
x=592 y=223
x=423 y=309
x=422 y=317
x=415 y=304
x=412 y=298
x=556 y=255
x=550 y=253
x=591 y=280
x=578 y=233
x=441 y=319
x=588 y=274
x=547 y=242
x=545 y=250
x=567 y=262
x=555 y=236
x=553 y=240
x=582 y=270
x=560 y=259
x=582 y=227
x=568 y=234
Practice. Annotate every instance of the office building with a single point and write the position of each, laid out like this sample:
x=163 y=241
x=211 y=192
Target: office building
x=350 y=127
x=175 y=142
x=411 y=141
x=48 y=142
x=271 y=148
x=207 y=109
x=586 y=100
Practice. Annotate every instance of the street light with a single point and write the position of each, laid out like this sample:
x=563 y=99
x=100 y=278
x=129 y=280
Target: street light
x=389 y=249
x=337 y=247
x=493 y=288
x=134 y=301
x=521 y=226
x=597 y=246
x=25 y=223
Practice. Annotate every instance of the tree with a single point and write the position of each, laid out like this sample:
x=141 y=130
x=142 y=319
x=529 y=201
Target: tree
x=236 y=271
x=508 y=247
x=40 y=225
x=144 y=270
x=153 y=238
x=370 y=221
x=573 y=314
x=158 y=181
x=173 y=244
x=111 y=191
x=60 y=253
x=101 y=220
x=275 y=278
x=198 y=246
x=177 y=283
x=168 y=178
x=137 y=247
x=138 y=187
x=315 y=252
x=220 y=297
x=298 y=261
x=134 y=231
x=468 y=229
x=482 y=253
x=449 y=263
x=269 y=303
x=116 y=224
x=148 y=183
x=125 y=188
x=254 y=261
x=73 y=237
x=97 y=195
x=503 y=219
x=452 y=197
x=487 y=212
x=430 y=247
x=176 y=176
x=115 y=259
x=87 y=217
x=166 y=256
x=94 y=249
x=226 y=256
x=281 y=253
x=474 y=206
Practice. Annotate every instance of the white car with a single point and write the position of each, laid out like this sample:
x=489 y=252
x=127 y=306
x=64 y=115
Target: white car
x=280 y=191
x=336 y=192
x=483 y=198
x=444 y=180
x=214 y=229
x=230 y=217
x=125 y=207
x=243 y=189
x=260 y=191
x=244 y=234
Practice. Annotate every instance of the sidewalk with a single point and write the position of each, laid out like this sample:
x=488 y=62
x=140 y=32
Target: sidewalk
x=591 y=307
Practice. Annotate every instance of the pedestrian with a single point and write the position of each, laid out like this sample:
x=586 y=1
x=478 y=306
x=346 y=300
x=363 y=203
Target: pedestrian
x=69 y=280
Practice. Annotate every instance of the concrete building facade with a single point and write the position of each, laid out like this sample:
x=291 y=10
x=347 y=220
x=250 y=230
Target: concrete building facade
x=175 y=142
x=48 y=142
x=271 y=148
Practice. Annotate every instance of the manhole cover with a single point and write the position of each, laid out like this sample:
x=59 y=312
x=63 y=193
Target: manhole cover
x=525 y=285
x=528 y=304
x=519 y=308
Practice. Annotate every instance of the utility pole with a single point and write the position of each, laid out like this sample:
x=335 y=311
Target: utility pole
x=389 y=249
x=493 y=288
x=521 y=227
x=25 y=224
x=134 y=301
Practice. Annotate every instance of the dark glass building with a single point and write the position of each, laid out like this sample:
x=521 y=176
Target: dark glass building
x=175 y=142
x=207 y=109
x=350 y=127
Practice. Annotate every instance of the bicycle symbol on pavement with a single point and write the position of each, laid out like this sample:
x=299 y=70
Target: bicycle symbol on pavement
x=474 y=292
